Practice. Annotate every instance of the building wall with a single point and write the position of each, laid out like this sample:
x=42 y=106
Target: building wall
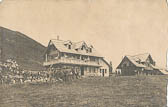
x=91 y=71
x=127 y=68
x=97 y=71
x=130 y=70
x=87 y=70
x=105 y=68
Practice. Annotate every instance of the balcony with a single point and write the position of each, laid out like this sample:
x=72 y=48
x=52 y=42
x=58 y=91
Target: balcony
x=72 y=61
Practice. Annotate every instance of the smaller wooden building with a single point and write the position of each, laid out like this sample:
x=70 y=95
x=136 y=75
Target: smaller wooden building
x=142 y=64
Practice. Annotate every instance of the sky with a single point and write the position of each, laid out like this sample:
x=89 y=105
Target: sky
x=114 y=27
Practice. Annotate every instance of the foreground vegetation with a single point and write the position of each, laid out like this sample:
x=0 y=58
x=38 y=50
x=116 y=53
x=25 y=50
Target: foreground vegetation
x=125 y=91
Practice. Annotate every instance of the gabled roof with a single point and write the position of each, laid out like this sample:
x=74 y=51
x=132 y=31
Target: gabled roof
x=141 y=57
x=138 y=59
x=78 y=44
x=60 y=45
x=133 y=60
x=68 y=42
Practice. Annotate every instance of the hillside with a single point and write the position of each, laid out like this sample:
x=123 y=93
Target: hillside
x=26 y=51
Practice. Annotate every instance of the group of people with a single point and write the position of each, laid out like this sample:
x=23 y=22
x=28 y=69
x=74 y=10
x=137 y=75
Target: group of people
x=10 y=73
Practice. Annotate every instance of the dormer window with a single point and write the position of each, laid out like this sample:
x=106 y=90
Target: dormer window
x=87 y=51
x=90 y=49
x=69 y=46
x=82 y=48
x=138 y=61
x=154 y=63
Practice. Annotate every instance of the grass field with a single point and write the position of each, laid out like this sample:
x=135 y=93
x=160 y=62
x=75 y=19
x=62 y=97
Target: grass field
x=146 y=91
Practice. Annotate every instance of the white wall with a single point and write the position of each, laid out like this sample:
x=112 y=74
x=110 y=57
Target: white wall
x=104 y=66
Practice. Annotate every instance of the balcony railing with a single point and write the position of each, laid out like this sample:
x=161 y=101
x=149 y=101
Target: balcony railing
x=71 y=61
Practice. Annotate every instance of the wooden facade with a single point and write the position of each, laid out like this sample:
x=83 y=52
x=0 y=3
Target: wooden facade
x=142 y=64
x=77 y=56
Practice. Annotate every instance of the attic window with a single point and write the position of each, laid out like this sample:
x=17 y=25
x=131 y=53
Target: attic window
x=90 y=49
x=69 y=46
x=138 y=61
x=154 y=63
x=82 y=48
x=87 y=51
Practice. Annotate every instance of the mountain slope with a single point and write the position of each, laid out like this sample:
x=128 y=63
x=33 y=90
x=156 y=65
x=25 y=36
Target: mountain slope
x=26 y=51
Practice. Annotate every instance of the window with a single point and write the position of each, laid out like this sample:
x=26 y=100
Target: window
x=154 y=63
x=105 y=70
x=69 y=46
x=90 y=69
x=147 y=64
x=96 y=69
x=82 y=47
x=128 y=64
x=90 y=49
x=85 y=68
x=82 y=57
x=124 y=65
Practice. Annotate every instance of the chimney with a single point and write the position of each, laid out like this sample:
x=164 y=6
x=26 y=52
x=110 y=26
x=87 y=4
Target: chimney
x=58 y=37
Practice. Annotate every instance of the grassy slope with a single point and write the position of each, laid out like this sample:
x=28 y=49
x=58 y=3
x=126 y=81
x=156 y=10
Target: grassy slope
x=147 y=91
x=26 y=51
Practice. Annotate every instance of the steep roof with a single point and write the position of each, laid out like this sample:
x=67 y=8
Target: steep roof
x=133 y=60
x=60 y=45
x=78 y=44
x=141 y=57
x=138 y=59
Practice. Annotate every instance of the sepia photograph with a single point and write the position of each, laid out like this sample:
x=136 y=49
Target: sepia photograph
x=83 y=53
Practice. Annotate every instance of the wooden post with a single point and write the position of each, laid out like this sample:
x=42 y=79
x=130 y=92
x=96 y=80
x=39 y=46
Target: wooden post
x=80 y=57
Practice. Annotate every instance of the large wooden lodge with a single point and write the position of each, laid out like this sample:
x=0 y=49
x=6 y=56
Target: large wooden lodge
x=76 y=55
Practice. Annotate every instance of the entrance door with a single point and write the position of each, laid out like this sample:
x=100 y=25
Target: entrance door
x=82 y=70
x=103 y=72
